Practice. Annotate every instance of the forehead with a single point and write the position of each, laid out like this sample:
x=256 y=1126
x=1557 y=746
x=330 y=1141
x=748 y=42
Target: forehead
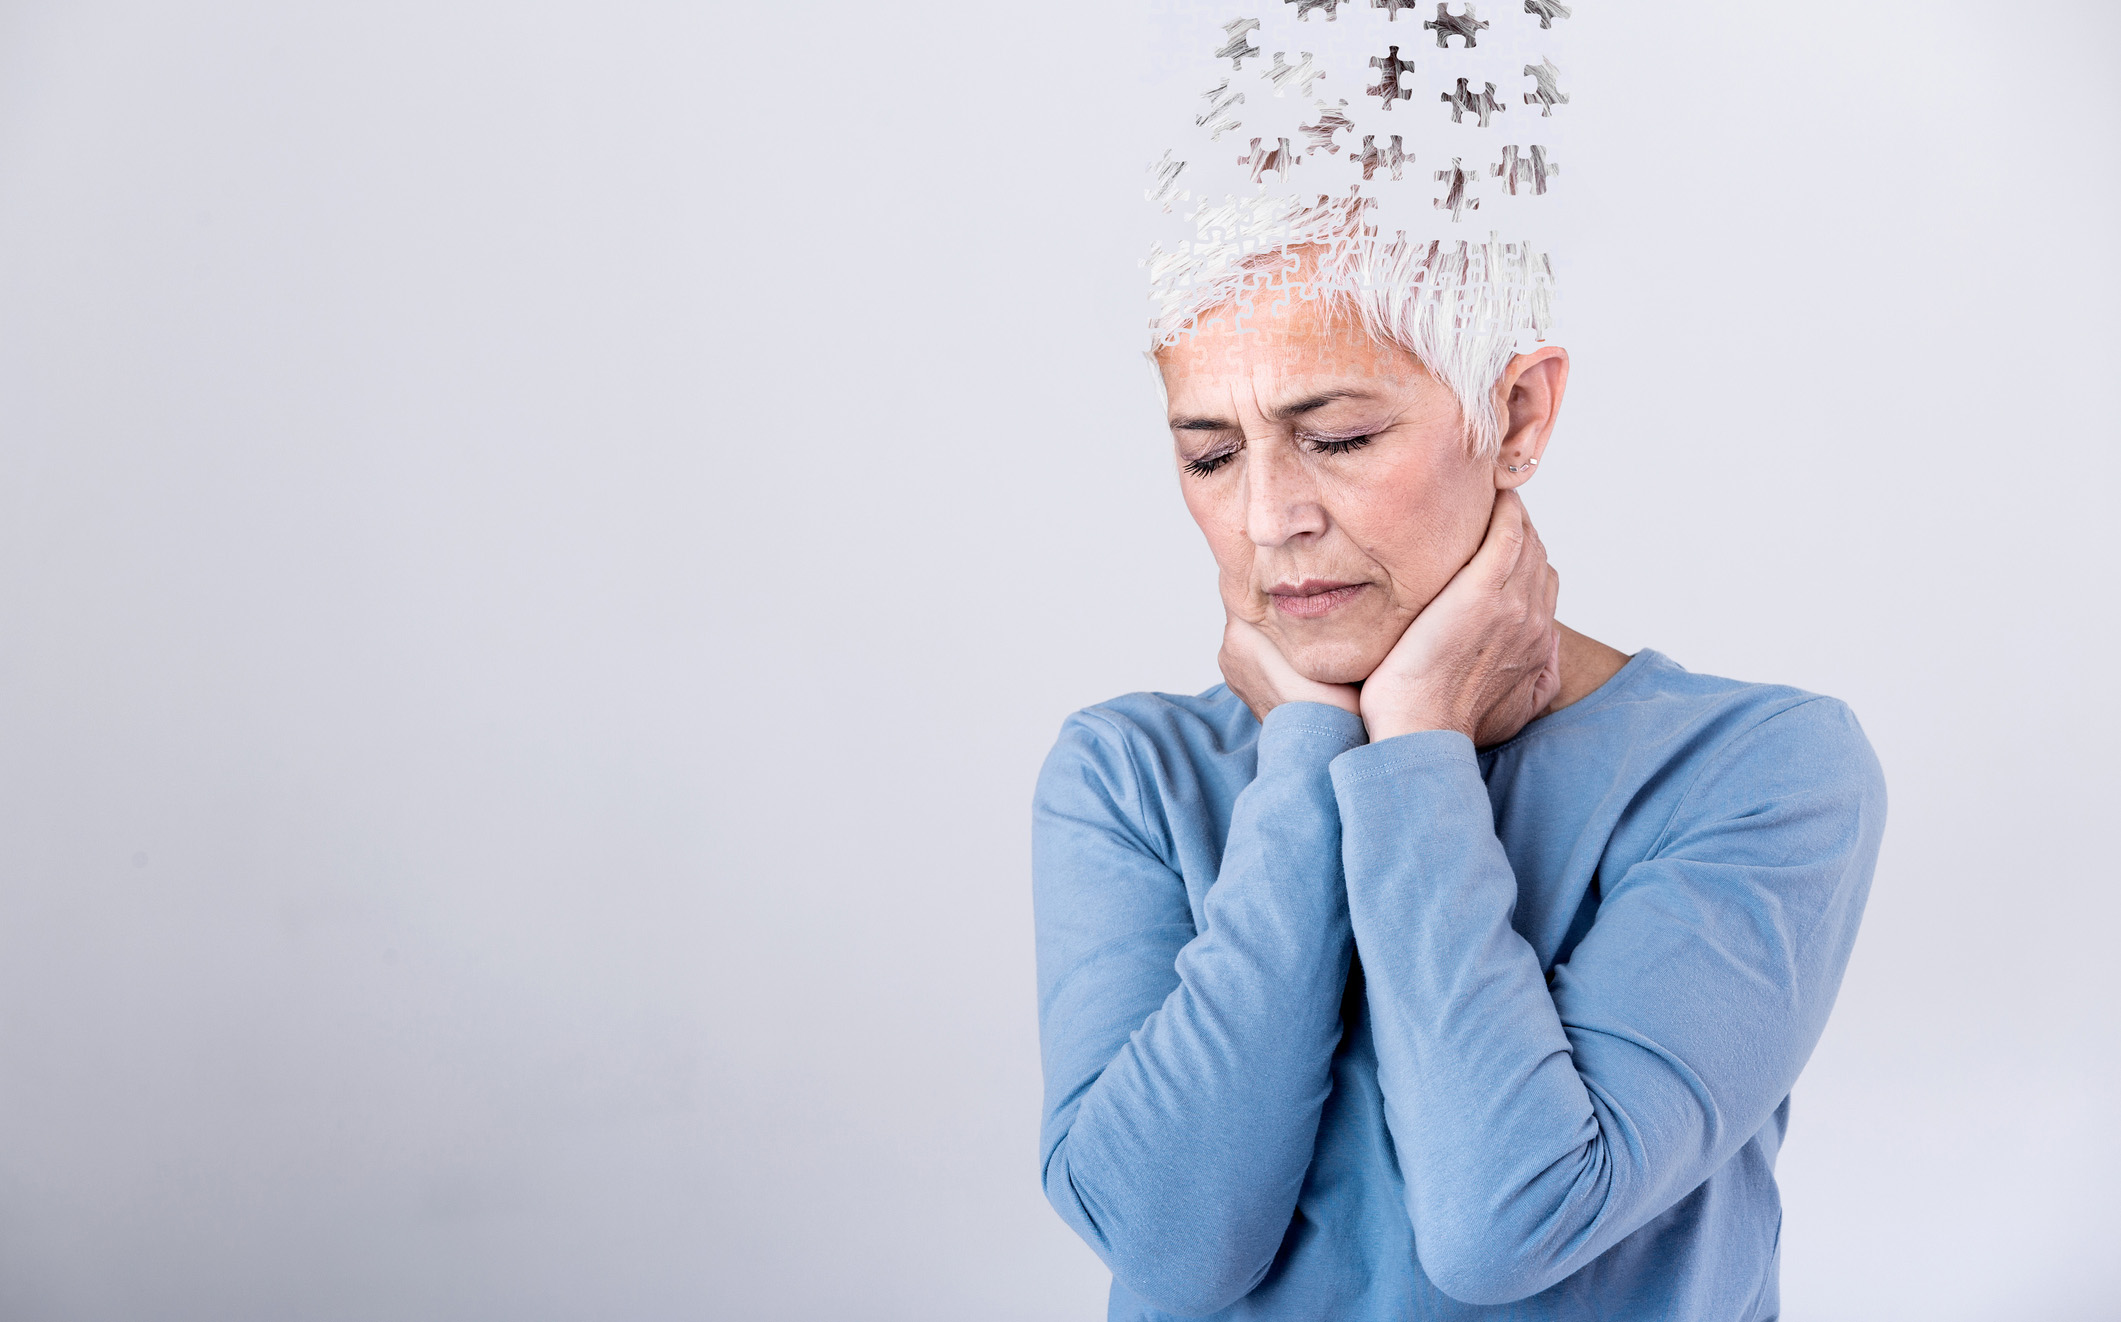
x=1292 y=343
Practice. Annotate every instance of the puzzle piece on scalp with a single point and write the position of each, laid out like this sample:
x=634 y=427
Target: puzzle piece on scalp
x=1278 y=159
x=1392 y=7
x=1237 y=50
x=1457 y=181
x=1331 y=120
x=1221 y=115
x=1546 y=11
x=1520 y=172
x=1304 y=8
x=1446 y=25
x=1163 y=187
x=1389 y=67
x=1373 y=158
x=1302 y=75
x=1483 y=103
x=1547 y=94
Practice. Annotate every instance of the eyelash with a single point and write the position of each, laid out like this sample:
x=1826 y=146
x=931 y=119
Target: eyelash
x=1207 y=464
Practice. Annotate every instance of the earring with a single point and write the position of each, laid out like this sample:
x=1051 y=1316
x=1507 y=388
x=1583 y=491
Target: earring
x=1529 y=463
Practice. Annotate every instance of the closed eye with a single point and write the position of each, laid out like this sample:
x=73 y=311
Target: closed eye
x=1337 y=444
x=1208 y=463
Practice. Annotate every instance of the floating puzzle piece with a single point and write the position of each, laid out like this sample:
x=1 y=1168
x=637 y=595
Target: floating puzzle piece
x=1373 y=159
x=1456 y=180
x=1482 y=103
x=1546 y=11
x=1331 y=120
x=1518 y=171
x=1237 y=50
x=1389 y=67
x=1392 y=7
x=1446 y=25
x=1303 y=75
x=1261 y=160
x=1304 y=8
x=1222 y=106
x=1165 y=184
x=1547 y=95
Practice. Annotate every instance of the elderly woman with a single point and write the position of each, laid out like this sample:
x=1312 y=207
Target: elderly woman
x=1443 y=962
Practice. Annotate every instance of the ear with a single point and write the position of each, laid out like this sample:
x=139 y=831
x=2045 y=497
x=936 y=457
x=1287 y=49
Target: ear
x=1528 y=397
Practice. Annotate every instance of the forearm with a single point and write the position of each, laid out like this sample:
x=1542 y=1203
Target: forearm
x=1510 y=1167
x=1180 y=1156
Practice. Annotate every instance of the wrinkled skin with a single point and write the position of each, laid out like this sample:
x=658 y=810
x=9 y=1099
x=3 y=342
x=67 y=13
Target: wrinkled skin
x=1366 y=558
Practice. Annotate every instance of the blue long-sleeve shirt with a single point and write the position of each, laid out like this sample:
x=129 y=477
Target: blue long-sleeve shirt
x=1337 y=1030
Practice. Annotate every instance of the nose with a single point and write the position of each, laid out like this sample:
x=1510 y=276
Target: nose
x=1281 y=497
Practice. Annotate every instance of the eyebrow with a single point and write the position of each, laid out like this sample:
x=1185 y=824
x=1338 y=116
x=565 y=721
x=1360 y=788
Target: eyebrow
x=1307 y=404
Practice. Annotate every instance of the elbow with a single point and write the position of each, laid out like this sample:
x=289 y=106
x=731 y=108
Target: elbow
x=1486 y=1270
x=1174 y=1264
x=1169 y=1283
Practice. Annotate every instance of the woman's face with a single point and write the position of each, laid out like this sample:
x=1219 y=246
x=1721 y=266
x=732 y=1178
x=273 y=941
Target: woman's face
x=1332 y=478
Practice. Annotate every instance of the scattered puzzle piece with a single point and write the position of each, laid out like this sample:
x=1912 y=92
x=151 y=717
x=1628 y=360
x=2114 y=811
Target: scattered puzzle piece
x=1261 y=160
x=1547 y=95
x=1546 y=11
x=1483 y=103
x=1373 y=159
x=1304 y=8
x=1221 y=113
x=1237 y=50
x=1389 y=67
x=1446 y=25
x=1303 y=75
x=1518 y=171
x=1331 y=120
x=1392 y=7
x=1454 y=200
x=1165 y=184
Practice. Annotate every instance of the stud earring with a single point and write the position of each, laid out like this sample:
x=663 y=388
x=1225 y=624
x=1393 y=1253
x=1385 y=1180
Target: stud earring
x=1519 y=468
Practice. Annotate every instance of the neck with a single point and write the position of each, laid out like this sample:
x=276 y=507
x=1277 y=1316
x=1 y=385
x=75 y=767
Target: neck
x=1586 y=663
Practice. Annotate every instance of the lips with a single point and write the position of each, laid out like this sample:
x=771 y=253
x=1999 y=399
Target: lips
x=1313 y=598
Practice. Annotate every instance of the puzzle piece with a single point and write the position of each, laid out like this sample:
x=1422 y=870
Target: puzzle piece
x=1373 y=159
x=1547 y=95
x=1331 y=120
x=1517 y=170
x=1546 y=11
x=1237 y=50
x=1392 y=7
x=1261 y=160
x=1165 y=184
x=1304 y=8
x=1446 y=25
x=1222 y=105
x=1482 y=103
x=1457 y=179
x=1389 y=67
x=1303 y=75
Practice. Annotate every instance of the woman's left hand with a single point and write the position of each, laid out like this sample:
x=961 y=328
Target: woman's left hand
x=1484 y=657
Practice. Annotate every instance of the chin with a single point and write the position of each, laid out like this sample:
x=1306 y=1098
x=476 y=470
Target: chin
x=1334 y=660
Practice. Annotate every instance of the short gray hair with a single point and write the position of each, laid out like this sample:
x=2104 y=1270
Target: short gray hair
x=1459 y=308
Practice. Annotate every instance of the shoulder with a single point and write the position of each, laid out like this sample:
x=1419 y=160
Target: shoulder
x=1742 y=745
x=1121 y=758
x=1158 y=727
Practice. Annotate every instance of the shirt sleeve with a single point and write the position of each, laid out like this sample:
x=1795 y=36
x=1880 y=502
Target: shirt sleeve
x=1186 y=1071
x=1537 y=1126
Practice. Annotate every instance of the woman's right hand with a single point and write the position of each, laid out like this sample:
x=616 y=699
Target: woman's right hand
x=1257 y=672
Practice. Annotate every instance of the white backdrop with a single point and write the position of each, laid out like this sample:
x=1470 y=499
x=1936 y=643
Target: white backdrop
x=541 y=547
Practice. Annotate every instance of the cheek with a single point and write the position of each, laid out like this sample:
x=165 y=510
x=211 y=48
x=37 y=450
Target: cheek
x=1227 y=540
x=1421 y=525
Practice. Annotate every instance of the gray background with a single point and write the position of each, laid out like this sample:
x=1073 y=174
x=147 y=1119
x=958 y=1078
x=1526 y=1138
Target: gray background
x=541 y=547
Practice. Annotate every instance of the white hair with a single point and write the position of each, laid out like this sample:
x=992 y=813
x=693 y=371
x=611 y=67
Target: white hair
x=1459 y=308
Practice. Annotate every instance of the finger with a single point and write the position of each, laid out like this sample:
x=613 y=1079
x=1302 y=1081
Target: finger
x=1504 y=545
